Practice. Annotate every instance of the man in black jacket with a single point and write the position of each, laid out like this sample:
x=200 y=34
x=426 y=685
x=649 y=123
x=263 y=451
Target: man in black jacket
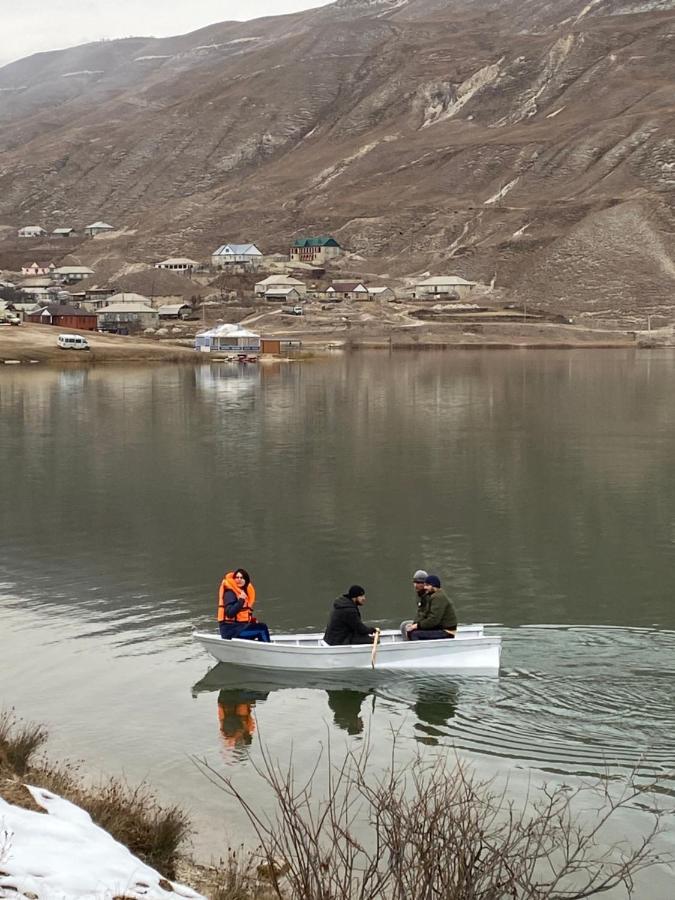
x=345 y=625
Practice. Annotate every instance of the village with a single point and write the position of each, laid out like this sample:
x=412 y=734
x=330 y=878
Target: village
x=241 y=303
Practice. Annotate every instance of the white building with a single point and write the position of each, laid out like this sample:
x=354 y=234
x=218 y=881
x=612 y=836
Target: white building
x=127 y=317
x=236 y=254
x=98 y=228
x=178 y=264
x=175 y=311
x=283 y=295
x=229 y=339
x=71 y=274
x=442 y=285
x=275 y=283
x=348 y=290
x=381 y=293
x=29 y=231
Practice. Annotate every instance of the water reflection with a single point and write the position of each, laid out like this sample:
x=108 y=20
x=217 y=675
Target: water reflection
x=432 y=698
x=236 y=718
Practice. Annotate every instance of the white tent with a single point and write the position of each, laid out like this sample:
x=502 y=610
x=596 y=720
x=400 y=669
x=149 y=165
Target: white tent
x=228 y=338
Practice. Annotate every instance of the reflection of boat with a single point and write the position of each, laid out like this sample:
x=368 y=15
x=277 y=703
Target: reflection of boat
x=471 y=649
x=433 y=698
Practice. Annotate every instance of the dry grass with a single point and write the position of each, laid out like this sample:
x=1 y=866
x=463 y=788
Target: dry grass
x=132 y=815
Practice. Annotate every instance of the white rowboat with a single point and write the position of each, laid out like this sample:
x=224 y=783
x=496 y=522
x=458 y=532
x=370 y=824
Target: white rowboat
x=470 y=649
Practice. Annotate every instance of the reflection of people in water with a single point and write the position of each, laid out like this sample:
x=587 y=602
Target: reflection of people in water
x=434 y=708
x=346 y=706
x=235 y=716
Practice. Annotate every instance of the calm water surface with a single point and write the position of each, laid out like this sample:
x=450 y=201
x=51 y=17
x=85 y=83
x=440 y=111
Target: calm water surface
x=540 y=486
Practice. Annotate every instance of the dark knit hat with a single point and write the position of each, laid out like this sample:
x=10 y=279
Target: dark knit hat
x=433 y=581
x=355 y=591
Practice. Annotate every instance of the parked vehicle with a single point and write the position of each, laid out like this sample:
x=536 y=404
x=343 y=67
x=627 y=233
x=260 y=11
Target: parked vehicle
x=294 y=311
x=73 y=342
x=9 y=318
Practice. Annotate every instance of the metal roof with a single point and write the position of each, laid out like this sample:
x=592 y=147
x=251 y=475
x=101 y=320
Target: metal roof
x=177 y=261
x=443 y=279
x=324 y=241
x=60 y=309
x=127 y=308
x=128 y=297
x=73 y=270
x=172 y=309
x=284 y=280
x=100 y=225
x=237 y=249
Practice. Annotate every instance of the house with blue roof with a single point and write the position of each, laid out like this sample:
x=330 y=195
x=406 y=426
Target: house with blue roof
x=236 y=254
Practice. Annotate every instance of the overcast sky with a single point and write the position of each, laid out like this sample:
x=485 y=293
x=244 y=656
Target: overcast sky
x=29 y=26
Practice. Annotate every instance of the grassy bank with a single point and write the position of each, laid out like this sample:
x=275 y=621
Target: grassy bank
x=431 y=831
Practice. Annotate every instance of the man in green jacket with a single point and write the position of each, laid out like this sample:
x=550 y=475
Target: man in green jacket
x=436 y=617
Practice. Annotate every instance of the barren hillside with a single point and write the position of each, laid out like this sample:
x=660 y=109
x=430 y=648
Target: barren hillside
x=529 y=142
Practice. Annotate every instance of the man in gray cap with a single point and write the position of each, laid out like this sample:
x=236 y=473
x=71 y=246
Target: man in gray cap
x=419 y=578
x=436 y=616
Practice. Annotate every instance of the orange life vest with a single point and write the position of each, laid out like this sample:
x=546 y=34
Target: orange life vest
x=245 y=614
x=237 y=724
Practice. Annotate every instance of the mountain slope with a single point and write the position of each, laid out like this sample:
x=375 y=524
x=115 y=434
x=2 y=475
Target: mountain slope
x=533 y=142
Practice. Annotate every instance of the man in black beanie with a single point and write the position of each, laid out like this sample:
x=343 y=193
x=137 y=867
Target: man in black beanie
x=436 y=616
x=345 y=625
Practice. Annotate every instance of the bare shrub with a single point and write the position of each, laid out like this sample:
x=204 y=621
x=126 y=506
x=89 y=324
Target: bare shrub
x=434 y=831
x=18 y=742
x=132 y=815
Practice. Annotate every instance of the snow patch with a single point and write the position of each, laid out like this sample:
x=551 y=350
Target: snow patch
x=242 y=40
x=82 y=72
x=332 y=172
x=444 y=104
x=502 y=192
x=158 y=56
x=555 y=113
x=520 y=231
x=65 y=856
x=585 y=11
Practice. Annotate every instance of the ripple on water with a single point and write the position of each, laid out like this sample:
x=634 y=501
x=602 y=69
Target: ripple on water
x=569 y=699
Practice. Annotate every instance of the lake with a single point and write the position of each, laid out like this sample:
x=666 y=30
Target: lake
x=540 y=486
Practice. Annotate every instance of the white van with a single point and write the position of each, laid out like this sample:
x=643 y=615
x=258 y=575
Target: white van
x=72 y=342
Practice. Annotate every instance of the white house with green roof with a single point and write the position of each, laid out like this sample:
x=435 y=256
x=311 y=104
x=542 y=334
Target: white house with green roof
x=314 y=249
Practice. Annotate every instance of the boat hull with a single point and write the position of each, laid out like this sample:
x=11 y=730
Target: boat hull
x=471 y=649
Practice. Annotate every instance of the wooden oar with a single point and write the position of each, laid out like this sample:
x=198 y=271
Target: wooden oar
x=376 y=641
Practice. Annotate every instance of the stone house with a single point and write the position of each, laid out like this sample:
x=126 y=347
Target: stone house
x=36 y=270
x=381 y=293
x=314 y=249
x=279 y=283
x=63 y=316
x=347 y=290
x=72 y=274
x=127 y=317
x=246 y=255
x=178 y=264
x=97 y=228
x=442 y=286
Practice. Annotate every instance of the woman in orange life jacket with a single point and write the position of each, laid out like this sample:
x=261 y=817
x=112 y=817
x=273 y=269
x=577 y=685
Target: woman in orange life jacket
x=236 y=599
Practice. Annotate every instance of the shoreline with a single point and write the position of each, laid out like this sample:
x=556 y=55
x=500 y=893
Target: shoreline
x=36 y=344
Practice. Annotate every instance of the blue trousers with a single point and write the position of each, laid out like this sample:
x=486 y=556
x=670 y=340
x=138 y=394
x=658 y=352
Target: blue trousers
x=251 y=631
